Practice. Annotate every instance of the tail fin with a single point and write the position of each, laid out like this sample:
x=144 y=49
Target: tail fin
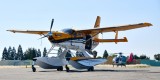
x=130 y=60
x=97 y=25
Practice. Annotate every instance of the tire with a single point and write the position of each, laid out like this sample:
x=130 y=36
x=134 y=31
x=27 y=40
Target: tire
x=91 y=69
x=60 y=68
x=67 y=68
x=33 y=69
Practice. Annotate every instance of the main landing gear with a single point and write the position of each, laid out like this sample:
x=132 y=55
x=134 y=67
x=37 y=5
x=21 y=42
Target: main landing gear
x=67 y=68
x=33 y=68
x=91 y=68
x=60 y=68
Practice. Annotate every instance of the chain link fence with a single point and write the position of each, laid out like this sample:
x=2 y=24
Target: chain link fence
x=15 y=62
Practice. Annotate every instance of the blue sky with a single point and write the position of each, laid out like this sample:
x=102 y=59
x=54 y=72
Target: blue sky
x=81 y=14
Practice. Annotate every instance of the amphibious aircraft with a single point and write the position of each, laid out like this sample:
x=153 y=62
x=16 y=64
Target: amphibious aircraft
x=83 y=41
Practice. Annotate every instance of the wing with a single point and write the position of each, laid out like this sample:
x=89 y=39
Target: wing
x=113 y=29
x=29 y=32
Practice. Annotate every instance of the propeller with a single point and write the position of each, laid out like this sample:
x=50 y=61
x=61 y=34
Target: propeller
x=51 y=24
x=50 y=32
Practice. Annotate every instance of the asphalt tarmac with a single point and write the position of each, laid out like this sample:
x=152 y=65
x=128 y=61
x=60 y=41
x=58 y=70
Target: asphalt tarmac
x=101 y=72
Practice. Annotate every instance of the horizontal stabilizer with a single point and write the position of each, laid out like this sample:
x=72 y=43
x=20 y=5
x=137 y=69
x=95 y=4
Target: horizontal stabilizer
x=111 y=40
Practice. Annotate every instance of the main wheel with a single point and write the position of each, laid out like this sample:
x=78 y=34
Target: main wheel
x=91 y=69
x=60 y=68
x=67 y=68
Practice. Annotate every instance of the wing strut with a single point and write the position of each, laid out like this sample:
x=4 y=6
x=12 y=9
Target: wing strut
x=116 y=36
x=92 y=36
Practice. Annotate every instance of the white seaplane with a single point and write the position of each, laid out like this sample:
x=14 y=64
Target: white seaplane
x=82 y=41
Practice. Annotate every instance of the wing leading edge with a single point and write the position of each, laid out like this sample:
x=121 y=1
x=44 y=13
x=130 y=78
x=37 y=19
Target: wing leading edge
x=29 y=31
x=91 y=31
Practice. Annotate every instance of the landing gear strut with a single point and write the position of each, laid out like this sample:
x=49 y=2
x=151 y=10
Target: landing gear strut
x=67 y=68
x=33 y=68
x=33 y=63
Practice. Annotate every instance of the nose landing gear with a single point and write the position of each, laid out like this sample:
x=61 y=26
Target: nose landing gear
x=33 y=63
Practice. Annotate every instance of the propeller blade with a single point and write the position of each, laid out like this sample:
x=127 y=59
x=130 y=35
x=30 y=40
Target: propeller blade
x=49 y=33
x=51 y=24
x=42 y=37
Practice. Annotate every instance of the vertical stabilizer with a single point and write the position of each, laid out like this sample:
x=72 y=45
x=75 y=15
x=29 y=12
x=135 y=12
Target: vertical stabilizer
x=97 y=25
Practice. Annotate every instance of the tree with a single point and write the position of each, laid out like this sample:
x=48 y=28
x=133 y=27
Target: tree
x=94 y=54
x=44 y=52
x=20 y=53
x=4 y=54
x=30 y=53
x=136 y=57
x=9 y=53
x=33 y=51
x=14 y=53
x=105 y=55
x=157 y=57
x=143 y=57
x=38 y=53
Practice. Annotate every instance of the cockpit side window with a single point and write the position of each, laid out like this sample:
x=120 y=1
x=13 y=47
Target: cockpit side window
x=68 y=31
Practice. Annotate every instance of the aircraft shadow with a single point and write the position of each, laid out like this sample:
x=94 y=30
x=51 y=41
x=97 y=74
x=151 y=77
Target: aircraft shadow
x=96 y=70
x=105 y=70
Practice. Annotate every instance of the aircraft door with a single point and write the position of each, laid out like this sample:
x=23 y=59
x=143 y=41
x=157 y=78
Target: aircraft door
x=88 y=44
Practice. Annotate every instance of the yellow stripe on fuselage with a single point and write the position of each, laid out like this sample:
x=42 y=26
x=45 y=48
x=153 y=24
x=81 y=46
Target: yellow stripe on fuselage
x=61 y=36
x=79 y=58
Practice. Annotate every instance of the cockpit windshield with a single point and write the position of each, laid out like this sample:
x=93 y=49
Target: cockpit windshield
x=68 y=31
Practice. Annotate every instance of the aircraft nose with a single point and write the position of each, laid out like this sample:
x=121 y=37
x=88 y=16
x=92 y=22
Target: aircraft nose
x=50 y=38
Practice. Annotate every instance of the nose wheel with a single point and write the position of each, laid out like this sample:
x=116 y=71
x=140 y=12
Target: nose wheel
x=33 y=63
x=33 y=68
